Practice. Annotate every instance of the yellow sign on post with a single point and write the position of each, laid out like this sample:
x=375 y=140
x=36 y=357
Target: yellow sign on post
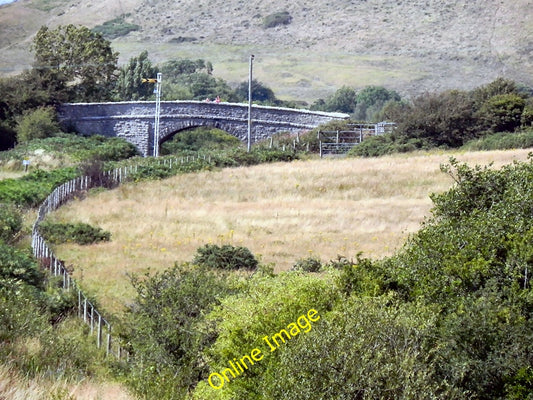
x=149 y=80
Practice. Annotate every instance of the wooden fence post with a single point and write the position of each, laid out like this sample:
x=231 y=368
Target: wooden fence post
x=99 y=334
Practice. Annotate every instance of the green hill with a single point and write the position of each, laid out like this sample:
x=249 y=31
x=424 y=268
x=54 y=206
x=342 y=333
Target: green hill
x=410 y=46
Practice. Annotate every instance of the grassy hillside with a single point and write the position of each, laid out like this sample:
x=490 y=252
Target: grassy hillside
x=282 y=212
x=411 y=46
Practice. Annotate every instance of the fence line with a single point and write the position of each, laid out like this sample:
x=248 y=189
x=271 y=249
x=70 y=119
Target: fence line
x=42 y=251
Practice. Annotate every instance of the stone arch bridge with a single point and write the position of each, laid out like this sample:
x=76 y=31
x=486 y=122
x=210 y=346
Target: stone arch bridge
x=134 y=121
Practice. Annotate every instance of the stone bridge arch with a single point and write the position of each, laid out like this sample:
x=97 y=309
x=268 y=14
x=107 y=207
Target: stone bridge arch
x=134 y=121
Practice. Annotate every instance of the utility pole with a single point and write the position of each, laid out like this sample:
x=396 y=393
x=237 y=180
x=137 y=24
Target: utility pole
x=250 y=105
x=157 y=91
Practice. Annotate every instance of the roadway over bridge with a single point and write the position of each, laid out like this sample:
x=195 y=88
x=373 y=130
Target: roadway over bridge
x=134 y=121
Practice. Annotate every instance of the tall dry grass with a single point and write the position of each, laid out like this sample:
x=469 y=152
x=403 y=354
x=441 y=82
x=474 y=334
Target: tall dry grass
x=281 y=212
x=14 y=386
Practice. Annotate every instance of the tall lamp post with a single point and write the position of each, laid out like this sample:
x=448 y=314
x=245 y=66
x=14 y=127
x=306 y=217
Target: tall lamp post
x=250 y=104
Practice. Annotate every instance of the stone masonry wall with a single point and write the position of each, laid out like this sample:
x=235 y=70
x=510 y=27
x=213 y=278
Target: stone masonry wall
x=134 y=121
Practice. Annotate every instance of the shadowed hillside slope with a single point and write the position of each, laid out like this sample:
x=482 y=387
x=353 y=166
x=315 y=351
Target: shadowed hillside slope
x=411 y=46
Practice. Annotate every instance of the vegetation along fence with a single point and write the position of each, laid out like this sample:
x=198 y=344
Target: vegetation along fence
x=42 y=251
x=340 y=142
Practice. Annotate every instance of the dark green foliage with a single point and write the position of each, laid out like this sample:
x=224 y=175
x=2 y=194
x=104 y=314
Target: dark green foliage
x=276 y=19
x=79 y=233
x=226 y=257
x=116 y=28
x=37 y=124
x=451 y=119
x=78 y=148
x=502 y=141
x=260 y=93
x=367 y=348
x=200 y=139
x=129 y=85
x=502 y=112
x=33 y=188
x=7 y=136
x=10 y=223
x=169 y=331
x=371 y=100
x=18 y=265
x=309 y=264
x=76 y=62
x=344 y=100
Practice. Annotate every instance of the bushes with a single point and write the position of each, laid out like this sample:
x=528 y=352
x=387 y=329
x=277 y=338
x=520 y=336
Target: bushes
x=33 y=188
x=310 y=264
x=115 y=28
x=37 y=124
x=502 y=141
x=275 y=19
x=169 y=331
x=79 y=233
x=226 y=257
x=10 y=223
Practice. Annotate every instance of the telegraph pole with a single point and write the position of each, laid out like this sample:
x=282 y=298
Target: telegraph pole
x=157 y=91
x=250 y=105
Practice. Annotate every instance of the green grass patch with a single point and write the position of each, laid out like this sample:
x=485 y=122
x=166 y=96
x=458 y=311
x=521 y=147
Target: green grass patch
x=502 y=141
x=79 y=233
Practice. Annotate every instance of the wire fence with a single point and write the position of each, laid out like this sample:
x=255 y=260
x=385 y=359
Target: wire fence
x=99 y=325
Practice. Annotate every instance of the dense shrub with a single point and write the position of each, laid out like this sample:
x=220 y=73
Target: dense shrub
x=226 y=257
x=264 y=306
x=115 y=28
x=20 y=266
x=168 y=329
x=79 y=233
x=309 y=264
x=502 y=141
x=200 y=139
x=37 y=124
x=10 y=222
x=502 y=112
x=371 y=348
x=276 y=19
x=33 y=188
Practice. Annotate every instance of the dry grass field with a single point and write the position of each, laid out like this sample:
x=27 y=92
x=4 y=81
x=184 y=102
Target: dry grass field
x=281 y=212
x=13 y=386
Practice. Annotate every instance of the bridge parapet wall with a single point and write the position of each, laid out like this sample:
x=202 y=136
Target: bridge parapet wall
x=134 y=121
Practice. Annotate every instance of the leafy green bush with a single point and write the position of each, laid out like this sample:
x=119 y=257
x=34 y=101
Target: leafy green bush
x=373 y=348
x=309 y=264
x=168 y=331
x=115 y=28
x=79 y=233
x=503 y=112
x=276 y=19
x=200 y=139
x=10 y=222
x=226 y=257
x=33 y=188
x=19 y=266
x=502 y=141
x=376 y=146
x=37 y=124
x=264 y=306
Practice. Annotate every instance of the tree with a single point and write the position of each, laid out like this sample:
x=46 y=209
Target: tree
x=260 y=92
x=445 y=119
x=503 y=112
x=344 y=100
x=371 y=100
x=79 y=61
x=129 y=82
x=37 y=124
